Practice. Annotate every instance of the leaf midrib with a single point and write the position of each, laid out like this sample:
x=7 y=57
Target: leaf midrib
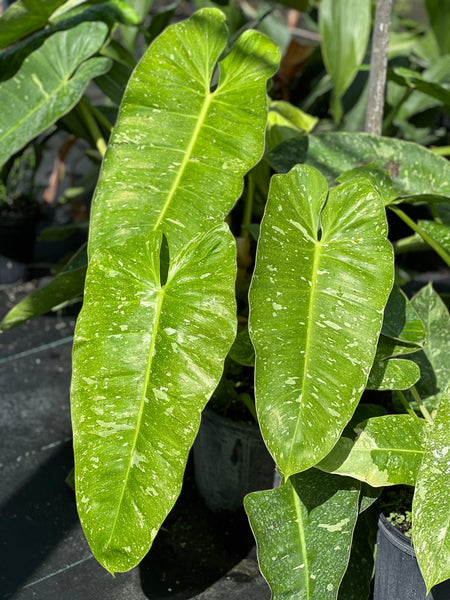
x=154 y=329
x=309 y=327
x=187 y=157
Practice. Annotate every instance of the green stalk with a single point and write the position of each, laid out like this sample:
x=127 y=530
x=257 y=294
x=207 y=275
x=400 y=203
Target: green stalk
x=91 y=124
x=422 y=407
x=406 y=404
x=395 y=110
x=441 y=150
x=426 y=238
x=248 y=207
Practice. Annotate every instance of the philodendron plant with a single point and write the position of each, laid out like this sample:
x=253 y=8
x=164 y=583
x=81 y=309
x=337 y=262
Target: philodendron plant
x=326 y=321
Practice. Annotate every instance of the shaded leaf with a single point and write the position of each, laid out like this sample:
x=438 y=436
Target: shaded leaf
x=304 y=533
x=431 y=504
x=413 y=169
x=393 y=374
x=49 y=88
x=401 y=321
x=433 y=359
x=356 y=582
x=67 y=285
x=439 y=15
x=387 y=451
x=412 y=79
x=242 y=350
x=322 y=277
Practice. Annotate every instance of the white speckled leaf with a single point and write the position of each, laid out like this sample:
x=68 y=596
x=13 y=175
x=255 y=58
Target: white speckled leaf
x=178 y=152
x=316 y=303
x=433 y=360
x=49 y=83
x=431 y=504
x=387 y=451
x=146 y=360
x=414 y=169
x=304 y=533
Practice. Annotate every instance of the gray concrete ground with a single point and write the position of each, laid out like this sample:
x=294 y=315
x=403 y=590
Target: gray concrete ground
x=43 y=552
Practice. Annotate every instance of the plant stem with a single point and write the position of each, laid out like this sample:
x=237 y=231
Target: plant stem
x=441 y=150
x=248 y=207
x=422 y=407
x=395 y=110
x=405 y=404
x=426 y=238
x=91 y=124
x=378 y=67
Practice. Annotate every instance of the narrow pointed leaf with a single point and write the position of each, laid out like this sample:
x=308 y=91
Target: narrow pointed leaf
x=304 y=533
x=145 y=364
x=316 y=302
x=67 y=285
x=49 y=83
x=176 y=141
x=433 y=360
x=345 y=29
x=387 y=451
x=431 y=504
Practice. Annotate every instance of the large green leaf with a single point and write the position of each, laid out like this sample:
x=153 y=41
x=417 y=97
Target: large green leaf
x=433 y=360
x=387 y=451
x=431 y=504
x=148 y=355
x=67 y=285
x=180 y=143
x=146 y=359
x=49 y=83
x=25 y=16
x=345 y=29
x=304 y=533
x=414 y=169
x=324 y=271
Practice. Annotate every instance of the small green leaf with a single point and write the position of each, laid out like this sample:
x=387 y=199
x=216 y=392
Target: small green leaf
x=285 y=121
x=242 y=349
x=323 y=274
x=49 y=88
x=387 y=451
x=67 y=285
x=431 y=504
x=401 y=321
x=433 y=359
x=345 y=29
x=393 y=374
x=304 y=533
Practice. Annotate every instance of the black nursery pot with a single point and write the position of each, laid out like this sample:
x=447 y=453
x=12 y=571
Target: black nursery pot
x=397 y=574
x=230 y=461
x=17 y=233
